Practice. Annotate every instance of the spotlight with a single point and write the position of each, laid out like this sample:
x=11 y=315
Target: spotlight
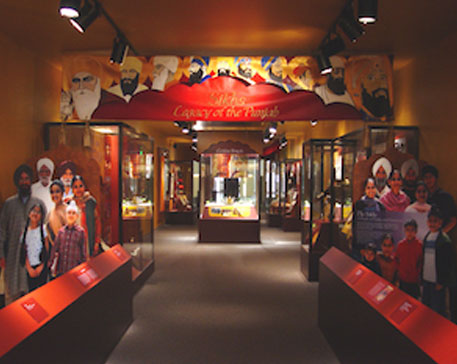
x=266 y=136
x=323 y=63
x=69 y=8
x=368 y=11
x=272 y=128
x=120 y=50
x=349 y=25
x=185 y=129
x=194 y=137
x=333 y=46
x=194 y=147
x=87 y=16
x=177 y=123
x=283 y=142
x=313 y=122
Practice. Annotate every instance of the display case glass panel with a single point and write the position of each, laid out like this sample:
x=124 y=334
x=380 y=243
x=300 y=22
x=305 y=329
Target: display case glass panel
x=180 y=192
x=292 y=186
x=229 y=186
x=195 y=184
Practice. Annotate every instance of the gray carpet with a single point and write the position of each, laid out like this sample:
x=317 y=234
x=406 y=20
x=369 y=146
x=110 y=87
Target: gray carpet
x=224 y=303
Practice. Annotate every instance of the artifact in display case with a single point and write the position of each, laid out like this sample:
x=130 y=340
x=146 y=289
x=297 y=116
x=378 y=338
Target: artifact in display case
x=273 y=205
x=291 y=220
x=229 y=192
x=125 y=194
x=179 y=201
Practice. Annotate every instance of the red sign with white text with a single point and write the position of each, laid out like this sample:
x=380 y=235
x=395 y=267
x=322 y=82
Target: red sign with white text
x=32 y=307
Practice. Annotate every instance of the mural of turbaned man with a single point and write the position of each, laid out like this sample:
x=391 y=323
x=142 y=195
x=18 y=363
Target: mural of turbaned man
x=362 y=82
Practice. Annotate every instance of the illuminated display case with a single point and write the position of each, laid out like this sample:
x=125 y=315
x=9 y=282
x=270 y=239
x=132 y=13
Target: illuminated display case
x=179 y=200
x=291 y=199
x=124 y=160
x=273 y=204
x=229 y=194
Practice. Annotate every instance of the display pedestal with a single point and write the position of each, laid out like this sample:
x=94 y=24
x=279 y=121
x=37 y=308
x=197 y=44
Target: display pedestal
x=274 y=220
x=366 y=319
x=228 y=231
x=180 y=217
x=76 y=318
x=292 y=224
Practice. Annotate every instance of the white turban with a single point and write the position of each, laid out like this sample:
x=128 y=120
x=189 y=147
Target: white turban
x=72 y=207
x=169 y=62
x=384 y=162
x=407 y=165
x=45 y=162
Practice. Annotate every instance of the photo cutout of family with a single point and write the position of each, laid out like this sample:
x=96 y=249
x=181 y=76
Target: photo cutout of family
x=392 y=196
x=47 y=227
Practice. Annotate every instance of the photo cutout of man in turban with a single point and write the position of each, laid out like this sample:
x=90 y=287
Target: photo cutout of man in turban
x=65 y=172
x=40 y=189
x=381 y=171
x=335 y=88
x=197 y=70
x=129 y=84
x=164 y=71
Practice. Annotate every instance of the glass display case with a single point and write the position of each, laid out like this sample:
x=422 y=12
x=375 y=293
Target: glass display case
x=119 y=161
x=179 y=201
x=377 y=139
x=273 y=204
x=229 y=194
x=291 y=200
x=316 y=204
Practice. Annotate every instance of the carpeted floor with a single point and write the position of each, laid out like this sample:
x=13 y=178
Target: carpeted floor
x=224 y=303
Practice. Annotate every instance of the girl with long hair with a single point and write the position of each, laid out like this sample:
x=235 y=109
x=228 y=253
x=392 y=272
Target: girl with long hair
x=35 y=248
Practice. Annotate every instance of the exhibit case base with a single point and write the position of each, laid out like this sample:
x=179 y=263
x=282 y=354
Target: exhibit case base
x=180 y=218
x=292 y=224
x=229 y=231
x=274 y=220
x=309 y=263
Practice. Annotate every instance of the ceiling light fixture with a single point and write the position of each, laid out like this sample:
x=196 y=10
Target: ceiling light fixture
x=349 y=25
x=185 y=129
x=120 y=50
x=368 y=11
x=86 y=17
x=313 y=122
x=273 y=128
x=194 y=137
x=69 y=8
x=334 y=44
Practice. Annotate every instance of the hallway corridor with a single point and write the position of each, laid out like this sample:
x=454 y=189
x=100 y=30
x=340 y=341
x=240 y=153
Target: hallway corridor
x=224 y=303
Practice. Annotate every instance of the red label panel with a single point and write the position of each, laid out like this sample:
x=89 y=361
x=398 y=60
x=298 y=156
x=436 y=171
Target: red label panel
x=34 y=309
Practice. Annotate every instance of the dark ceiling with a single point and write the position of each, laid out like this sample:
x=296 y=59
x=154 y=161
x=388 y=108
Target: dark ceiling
x=255 y=27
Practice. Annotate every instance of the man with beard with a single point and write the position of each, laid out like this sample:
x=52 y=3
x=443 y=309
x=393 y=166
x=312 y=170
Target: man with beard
x=375 y=93
x=164 y=70
x=40 y=189
x=244 y=68
x=197 y=71
x=12 y=223
x=129 y=84
x=223 y=68
x=381 y=170
x=409 y=173
x=335 y=88
x=65 y=172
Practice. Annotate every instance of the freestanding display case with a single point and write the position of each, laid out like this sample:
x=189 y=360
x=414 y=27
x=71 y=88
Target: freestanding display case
x=291 y=201
x=124 y=160
x=272 y=187
x=229 y=193
x=180 y=208
x=316 y=204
